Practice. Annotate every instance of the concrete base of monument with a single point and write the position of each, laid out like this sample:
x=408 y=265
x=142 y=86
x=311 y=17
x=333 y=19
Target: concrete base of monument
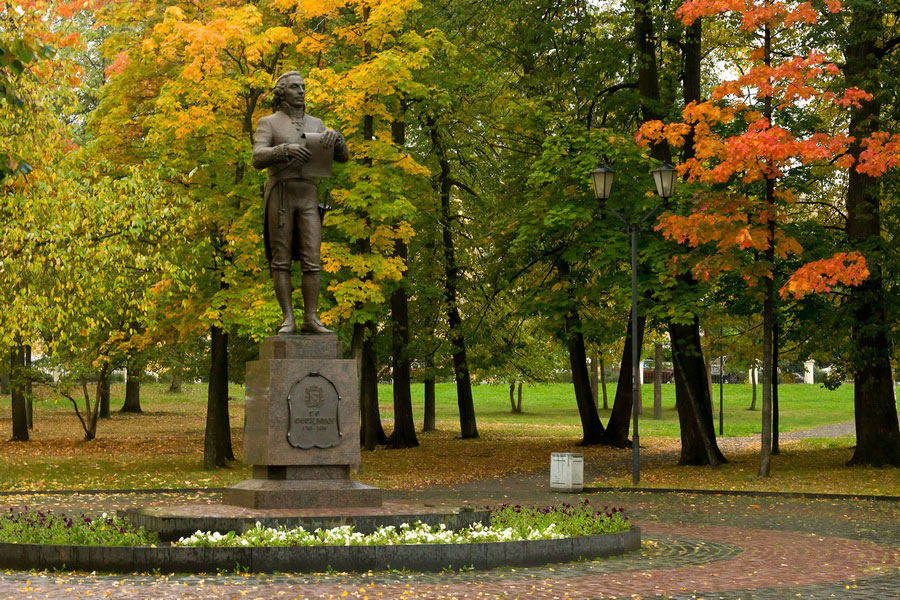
x=301 y=486
x=307 y=493
x=177 y=521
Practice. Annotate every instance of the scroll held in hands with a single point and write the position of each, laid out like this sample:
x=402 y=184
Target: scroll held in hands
x=319 y=164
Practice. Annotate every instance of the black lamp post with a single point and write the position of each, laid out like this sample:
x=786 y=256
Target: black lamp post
x=664 y=177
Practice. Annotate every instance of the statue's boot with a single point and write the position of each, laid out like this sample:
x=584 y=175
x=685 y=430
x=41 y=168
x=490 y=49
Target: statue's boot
x=310 y=289
x=283 y=293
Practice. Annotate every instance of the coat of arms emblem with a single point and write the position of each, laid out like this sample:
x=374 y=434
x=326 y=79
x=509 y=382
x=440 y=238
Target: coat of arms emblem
x=313 y=409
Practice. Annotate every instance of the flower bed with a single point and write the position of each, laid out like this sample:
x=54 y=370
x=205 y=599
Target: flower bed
x=517 y=536
x=30 y=526
x=508 y=524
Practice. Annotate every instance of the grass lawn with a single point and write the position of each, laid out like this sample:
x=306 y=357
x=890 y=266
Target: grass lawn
x=163 y=447
x=553 y=404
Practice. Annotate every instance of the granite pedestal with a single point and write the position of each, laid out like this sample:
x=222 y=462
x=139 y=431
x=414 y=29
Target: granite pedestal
x=301 y=428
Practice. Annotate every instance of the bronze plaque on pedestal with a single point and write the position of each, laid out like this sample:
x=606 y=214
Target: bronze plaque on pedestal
x=313 y=409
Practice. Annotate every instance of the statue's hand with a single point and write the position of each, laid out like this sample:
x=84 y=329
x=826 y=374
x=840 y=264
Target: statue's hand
x=298 y=152
x=331 y=138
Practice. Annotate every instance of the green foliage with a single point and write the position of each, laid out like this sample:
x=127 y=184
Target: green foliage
x=571 y=520
x=30 y=526
x=20 y=48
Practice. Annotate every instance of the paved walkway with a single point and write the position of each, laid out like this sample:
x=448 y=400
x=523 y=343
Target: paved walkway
x=695 y=546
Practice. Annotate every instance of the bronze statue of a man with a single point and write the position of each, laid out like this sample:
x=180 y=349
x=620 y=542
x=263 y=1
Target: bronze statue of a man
x=293 y=226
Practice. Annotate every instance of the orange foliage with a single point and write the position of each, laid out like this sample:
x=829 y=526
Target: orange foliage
x=882 y=152
x=848 y=268
x=754 y=16
x=763 y=151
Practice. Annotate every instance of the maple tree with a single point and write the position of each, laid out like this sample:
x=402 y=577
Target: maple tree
x=96 y=274
x=748 y=175
x=369 y=61
x=199 y=74
x=184 y=90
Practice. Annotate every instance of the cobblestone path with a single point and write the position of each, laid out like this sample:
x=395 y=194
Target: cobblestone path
x=695 y=546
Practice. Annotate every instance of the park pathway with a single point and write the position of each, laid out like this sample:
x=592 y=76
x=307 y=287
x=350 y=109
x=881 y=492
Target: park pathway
x=695 y=546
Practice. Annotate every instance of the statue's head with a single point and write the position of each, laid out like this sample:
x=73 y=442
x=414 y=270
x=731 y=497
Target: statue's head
x=296 y=96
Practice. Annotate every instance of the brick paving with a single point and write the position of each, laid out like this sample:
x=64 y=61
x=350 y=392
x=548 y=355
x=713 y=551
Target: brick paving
x=694 y=547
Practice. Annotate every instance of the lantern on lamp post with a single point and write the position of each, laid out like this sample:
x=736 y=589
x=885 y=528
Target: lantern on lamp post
x=664 y=178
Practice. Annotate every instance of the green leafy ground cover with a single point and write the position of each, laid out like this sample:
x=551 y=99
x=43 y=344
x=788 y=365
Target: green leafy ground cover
x=40 y=527
x=163 y=447
x=508 y=524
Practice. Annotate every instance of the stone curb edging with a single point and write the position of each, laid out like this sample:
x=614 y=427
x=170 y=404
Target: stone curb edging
x=750 y=493
x=421 y=557
x=97 y=492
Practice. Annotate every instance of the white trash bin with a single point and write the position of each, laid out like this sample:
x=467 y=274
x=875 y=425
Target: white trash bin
x=566 y=471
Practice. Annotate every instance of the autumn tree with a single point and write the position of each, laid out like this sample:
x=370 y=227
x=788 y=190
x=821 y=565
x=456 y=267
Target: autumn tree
x=184 y=91
x=369 y=77
x=34 y=93
x=752 y=173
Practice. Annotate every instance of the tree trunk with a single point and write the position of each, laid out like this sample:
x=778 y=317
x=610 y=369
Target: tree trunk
x=371 y=431
x=693 y=398
x=176 y=356
x=217 y=437
x=657 y=381
x=512 y=397
x=698 y=434
x=104 y=392
x=428 y=423
x=591 y=427
x=617 y=427
x=133 y=375
x=875 y=409
x=404 y=434
x=775 y=333
x=29 y=397
x=17 y=377
x=648 y=75
x=93 y=412
x=176 y=381
x=765 y=454
x=467 y=425
x=519 y=399
x=603 y=385
x=595 y=381
x=753 y=377
x=692 y=55
x=362 y=346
